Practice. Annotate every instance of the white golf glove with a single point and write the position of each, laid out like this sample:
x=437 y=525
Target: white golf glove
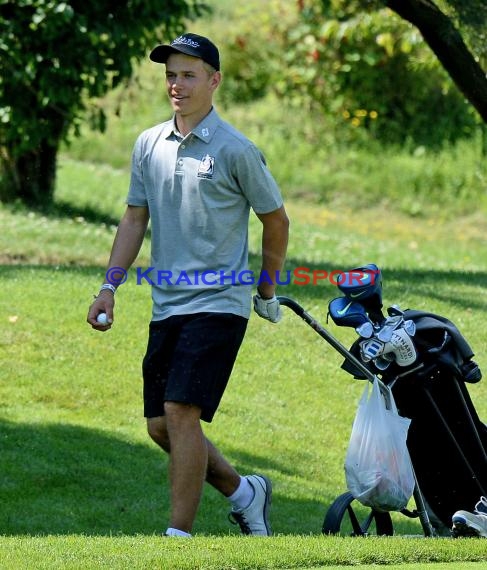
x=268 y=309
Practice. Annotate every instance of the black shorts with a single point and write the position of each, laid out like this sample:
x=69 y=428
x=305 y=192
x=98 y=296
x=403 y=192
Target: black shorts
x=189 y=359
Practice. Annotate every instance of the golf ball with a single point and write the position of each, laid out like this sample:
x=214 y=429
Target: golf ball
x=102 y=319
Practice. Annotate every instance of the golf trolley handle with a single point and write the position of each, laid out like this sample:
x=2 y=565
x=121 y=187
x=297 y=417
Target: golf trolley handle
x=336 y=344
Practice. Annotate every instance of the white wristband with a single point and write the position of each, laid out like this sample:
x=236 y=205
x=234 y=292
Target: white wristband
x=108 y=286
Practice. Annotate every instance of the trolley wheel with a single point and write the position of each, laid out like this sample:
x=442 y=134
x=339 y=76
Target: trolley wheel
x=349 y=517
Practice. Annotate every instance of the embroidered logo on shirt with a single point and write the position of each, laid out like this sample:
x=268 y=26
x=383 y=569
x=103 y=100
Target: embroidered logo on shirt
x=205 y=169
x=205 y=132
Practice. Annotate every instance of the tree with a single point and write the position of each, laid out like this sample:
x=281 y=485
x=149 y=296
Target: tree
x=440 y=33
x=356 y=63
x=54 y=56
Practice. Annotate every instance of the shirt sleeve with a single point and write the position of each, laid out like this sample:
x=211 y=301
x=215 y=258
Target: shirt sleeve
x=256 y=181
x=136 y=194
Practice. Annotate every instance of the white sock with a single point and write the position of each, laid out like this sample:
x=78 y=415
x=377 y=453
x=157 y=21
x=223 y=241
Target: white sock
x=243 y=495
x=176 y=532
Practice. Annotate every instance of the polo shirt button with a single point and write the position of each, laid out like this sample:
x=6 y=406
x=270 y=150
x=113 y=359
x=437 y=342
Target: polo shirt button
x=180 y=162
x=183 y=146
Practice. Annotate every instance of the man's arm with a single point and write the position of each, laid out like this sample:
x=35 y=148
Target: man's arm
x=275 y=234
x=126 y=246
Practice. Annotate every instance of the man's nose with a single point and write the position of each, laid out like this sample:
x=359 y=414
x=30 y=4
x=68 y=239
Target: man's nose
x=175 y=81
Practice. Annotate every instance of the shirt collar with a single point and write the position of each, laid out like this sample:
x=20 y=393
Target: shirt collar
x=170 y=129
x=204 y=130
x=207 y=127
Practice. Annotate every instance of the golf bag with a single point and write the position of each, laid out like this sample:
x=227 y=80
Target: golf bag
x=426 y=362
x=447 y=441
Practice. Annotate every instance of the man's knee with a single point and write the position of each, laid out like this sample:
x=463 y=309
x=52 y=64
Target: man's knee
x=156 y=428
x=178 y=413
x=181 y=418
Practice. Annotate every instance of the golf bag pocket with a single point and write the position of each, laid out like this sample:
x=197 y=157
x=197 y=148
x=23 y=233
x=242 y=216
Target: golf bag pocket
x=378 y=467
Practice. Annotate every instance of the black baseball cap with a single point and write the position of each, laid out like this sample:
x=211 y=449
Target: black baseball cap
x=190 y=44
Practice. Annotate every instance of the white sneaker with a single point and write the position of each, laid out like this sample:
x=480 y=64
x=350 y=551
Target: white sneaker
x=254 y=519
x=471 y=524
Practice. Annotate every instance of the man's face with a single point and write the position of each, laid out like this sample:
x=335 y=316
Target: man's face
x=189 y=84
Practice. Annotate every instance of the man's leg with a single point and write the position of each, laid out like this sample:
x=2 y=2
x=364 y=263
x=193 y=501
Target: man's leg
x=192 y=362
x=220 y=474
x=252 y=492
x=187 y=464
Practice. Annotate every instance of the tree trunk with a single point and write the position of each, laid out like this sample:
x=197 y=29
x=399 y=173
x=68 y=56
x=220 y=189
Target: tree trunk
x=30 y=177
x=447 y=44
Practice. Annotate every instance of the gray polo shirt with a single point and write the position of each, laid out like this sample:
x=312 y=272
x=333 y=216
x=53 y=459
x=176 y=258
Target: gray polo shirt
x=199 y=190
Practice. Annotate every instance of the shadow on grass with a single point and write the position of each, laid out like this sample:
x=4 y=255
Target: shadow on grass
x=91 y=215
x=66 y=479
x=61 y=209
x=59 y=479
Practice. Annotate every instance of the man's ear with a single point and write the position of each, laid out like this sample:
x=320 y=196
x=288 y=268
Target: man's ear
x=216 y=79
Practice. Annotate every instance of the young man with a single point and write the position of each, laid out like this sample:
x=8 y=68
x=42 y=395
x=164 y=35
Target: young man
x=196 y=178
x=466 y=523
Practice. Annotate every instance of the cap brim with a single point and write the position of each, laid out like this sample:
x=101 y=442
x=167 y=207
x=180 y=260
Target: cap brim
x=160 y=53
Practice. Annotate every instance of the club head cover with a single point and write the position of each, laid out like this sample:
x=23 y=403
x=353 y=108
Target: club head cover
x=403 y=348
x=371 y=349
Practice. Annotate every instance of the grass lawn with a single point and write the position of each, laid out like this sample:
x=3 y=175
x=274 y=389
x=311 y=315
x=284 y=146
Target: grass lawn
x=82 y=486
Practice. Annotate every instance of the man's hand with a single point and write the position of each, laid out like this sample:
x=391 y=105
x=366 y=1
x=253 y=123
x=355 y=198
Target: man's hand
x=268 y=309
x=104 y=303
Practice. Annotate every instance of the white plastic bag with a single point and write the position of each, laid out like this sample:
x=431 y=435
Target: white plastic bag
x=378 y=467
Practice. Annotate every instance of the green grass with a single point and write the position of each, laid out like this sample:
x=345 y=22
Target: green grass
x=83 y=487
x=142 y=552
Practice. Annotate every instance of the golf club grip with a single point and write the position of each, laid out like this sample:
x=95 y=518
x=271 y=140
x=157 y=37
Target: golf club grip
x=336 y=344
